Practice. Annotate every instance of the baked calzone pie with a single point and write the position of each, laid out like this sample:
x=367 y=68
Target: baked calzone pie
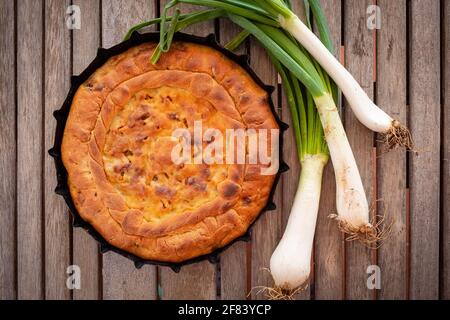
x=119 y=144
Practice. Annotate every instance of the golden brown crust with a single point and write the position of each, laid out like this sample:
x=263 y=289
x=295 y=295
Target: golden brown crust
x=117 y=143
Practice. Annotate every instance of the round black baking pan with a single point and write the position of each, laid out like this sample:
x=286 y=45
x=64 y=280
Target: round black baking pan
x=61 y=115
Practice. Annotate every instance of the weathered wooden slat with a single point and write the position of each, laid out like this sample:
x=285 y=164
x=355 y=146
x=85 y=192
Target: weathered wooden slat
x=391 y=97
x=266 y=231
x=425 y=126
x=290 y=180
x=85 y=249
x=329 y=245
x=8 y=288
x=445 y=192
x=359 y=57
x=233 y=262
x=122 y=281
x=29 y=150
x=57 y=82
x=196 y=281
x=120 y=278
x=193 y=282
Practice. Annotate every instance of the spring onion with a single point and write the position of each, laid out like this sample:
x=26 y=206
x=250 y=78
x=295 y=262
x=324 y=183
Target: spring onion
x=351 y=201
x=290 y=264
x=277 y=13
x=365 y=110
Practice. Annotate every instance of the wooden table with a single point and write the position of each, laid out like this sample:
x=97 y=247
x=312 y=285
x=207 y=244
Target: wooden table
x=404 y=66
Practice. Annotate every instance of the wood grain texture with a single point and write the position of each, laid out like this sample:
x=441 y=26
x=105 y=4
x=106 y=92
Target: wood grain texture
x=29 y=150
x=359 y=57
x=57 y=82
x=196 y=281
x=233 y=262
x=85 y=248
x=266 y=231
x=391 y=97
x=329 y=243
x=120 y=278
x=193 y=282
x=445 y=192
x=425 y=126
x=122 y=281
x=8 y=288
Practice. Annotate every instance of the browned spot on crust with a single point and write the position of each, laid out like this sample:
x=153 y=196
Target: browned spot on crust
x=229 y=189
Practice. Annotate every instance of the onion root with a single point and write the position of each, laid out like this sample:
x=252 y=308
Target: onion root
x=398 y=136
x=371 y=235
x=278 y=293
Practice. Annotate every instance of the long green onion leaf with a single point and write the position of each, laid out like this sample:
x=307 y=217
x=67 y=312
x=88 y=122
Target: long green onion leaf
x=245 y=10
x=322 y=25
x=237 y=40
x=312 y=84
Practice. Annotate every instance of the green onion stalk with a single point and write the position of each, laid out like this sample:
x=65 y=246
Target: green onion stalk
x=290 y=264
